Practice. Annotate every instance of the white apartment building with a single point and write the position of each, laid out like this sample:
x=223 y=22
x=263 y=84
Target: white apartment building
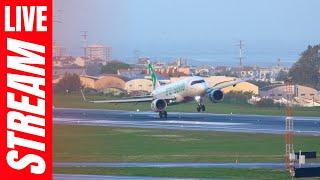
x=99 y=52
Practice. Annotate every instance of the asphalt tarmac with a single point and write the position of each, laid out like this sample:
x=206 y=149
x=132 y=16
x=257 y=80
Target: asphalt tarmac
x=186 y=121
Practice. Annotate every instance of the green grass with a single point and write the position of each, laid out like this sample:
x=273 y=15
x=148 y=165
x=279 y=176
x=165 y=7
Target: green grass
x=113 y=144
x=75 y=101
x=183 y=172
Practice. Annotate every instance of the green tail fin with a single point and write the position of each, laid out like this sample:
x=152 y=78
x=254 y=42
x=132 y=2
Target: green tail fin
x=154 y=77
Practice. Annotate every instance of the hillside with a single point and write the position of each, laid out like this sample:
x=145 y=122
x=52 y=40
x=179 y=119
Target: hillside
x=306 y=71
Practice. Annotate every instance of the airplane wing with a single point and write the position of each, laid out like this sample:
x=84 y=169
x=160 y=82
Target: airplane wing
x=146 y=99
x=227 y=84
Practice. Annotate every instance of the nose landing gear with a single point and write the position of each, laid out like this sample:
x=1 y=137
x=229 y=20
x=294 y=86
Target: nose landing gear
x=163 y=114
x=201 y=108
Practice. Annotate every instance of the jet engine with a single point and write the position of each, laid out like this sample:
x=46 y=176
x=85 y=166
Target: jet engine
x=216 y=96
x=158 y=105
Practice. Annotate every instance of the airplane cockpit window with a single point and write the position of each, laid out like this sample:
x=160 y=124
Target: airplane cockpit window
x=197 y=82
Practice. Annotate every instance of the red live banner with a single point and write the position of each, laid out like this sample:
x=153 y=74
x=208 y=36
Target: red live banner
x=26 y=89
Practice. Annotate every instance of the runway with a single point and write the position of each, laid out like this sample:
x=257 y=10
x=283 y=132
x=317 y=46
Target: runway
x=186 y=121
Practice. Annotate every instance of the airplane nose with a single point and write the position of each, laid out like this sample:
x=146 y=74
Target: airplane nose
x=203 y=88
x=199 y=89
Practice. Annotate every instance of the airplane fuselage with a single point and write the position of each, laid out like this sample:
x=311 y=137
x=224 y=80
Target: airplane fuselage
x=182 y=90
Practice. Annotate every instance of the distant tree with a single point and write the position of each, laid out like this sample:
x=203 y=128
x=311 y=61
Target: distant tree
x=113 y=66
x=265 y=103
x=69 y=83
x=93 y=69
x=237 y=97
x=282 y=75
x=306 y=71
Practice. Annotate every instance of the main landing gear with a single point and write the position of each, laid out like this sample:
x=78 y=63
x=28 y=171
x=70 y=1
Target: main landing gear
x=163 y=114
x=201 y=107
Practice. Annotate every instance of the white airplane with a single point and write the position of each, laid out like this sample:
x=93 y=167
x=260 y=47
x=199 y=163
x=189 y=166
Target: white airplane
x=181 y=91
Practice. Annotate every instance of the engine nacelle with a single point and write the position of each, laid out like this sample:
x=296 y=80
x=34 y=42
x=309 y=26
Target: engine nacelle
x=158 y=105
x=216 y=96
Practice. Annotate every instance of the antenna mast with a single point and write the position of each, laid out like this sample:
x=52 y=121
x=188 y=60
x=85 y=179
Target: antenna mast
x=84 y=35
x=289 y=132
x=240 y=53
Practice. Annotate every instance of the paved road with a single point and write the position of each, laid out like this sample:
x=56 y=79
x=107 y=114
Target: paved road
x=187 y=121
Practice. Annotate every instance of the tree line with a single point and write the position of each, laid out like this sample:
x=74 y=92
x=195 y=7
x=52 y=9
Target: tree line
x=306 y=71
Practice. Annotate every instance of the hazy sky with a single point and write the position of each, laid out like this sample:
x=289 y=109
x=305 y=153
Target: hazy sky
x=201 y=30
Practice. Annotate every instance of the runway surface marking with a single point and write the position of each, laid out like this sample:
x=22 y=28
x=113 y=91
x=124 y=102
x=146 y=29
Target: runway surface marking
x=187 y=121
x=179 y=164
x=200 y=122
x=171 y=165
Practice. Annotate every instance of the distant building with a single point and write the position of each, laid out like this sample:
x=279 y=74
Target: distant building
x=134 y=73
x=247 y=72
x=221 y=70
x=143 y=61
x=108 y=54
x=110 y=84
x=63 y=61
x=80 y=61
x=180 y=62
x=98 y=52
x=59 y=51
x=88 y=81
x=171 y=70
x=117 y=84
x=72 y=69
x=303 y=95
x=204 y=71
x=298 y=91
x=269 y=74
x=159 y=70
x=184 y=70
x=139 y=86
x=266 y=75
